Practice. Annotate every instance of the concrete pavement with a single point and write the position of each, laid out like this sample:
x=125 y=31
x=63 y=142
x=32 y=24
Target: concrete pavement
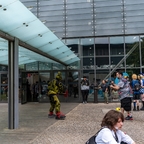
x=82 y=121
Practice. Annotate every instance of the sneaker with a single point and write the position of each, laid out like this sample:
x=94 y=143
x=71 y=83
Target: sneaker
x=85 y=102
x=51 y=115
x=60 y=116
x=129 y=118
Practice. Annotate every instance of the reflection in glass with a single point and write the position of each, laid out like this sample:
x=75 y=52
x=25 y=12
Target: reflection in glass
x=44 y=66
x=74 y=65
x=101 y=46
x=57 y=66
x=4 y=79
x=88 y=47
x=102 y=62
x=88 y=63
x=32 y=66
x=142 y=51
x=132 y=51
x=73 y=45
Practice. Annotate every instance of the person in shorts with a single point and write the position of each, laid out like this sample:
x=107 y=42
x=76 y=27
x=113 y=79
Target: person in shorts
x=124 y=91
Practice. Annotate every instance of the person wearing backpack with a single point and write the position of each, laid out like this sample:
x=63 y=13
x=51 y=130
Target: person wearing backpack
x=135 y=85
x=111 y=132
x=124 y=91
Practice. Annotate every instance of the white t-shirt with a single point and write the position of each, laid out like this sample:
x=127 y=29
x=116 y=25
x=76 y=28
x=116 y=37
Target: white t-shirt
x=107 y=136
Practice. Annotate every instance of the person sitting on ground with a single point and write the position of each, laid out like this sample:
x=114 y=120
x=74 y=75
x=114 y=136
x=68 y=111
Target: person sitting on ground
x=111 y=132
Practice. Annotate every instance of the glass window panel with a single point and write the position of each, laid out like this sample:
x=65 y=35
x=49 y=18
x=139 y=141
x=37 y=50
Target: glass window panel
x=131 y=2
x=53 y=18
x=3 y=68
x=134 y=31
x=116 y=46
x=101 y=46
x=115 y=60
x=107 y=3
x=102 y=62
x=79 y=5
x=74 y=65
x=134 y=13
x=134 y=25
x=80 y=28
x=131 y=7
x=132 y=47
x=134 y=19
x=53 y=2
x=79 y=11
x=88 y=63
x=56 y=66
x=88 y=47
x=3 y=53
x=51 y=13
x=79 y=16
x=73 y=45
x=142 y=50
x=53 y=7
x=32 y=66
x=108 y=15
x=4 y=78
x=101 y=32
x=108 y=21
x=108 y=9
x=44 y=66
x=79 y=33
x=77 y=1
x=79 y=22
x=109 y=26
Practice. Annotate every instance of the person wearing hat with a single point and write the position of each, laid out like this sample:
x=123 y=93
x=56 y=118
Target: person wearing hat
x=85 y=89
x=55 y=87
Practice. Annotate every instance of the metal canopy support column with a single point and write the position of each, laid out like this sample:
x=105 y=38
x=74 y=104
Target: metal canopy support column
x=13 y=77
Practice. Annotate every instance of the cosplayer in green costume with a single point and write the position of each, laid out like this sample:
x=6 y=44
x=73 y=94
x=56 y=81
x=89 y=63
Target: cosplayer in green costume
x=55 y=87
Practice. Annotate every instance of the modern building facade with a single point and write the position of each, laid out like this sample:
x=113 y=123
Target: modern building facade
x=107 y=35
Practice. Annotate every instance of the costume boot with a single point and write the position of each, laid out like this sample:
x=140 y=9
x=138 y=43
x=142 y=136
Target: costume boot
x=60 y=116
x=51 y=115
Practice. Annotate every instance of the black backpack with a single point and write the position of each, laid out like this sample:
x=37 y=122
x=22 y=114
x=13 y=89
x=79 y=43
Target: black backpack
x=91 y=140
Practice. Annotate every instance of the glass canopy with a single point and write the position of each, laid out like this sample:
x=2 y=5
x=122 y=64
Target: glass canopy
x=17 y=21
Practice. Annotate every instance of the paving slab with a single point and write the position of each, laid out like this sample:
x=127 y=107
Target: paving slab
x=82 y=121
